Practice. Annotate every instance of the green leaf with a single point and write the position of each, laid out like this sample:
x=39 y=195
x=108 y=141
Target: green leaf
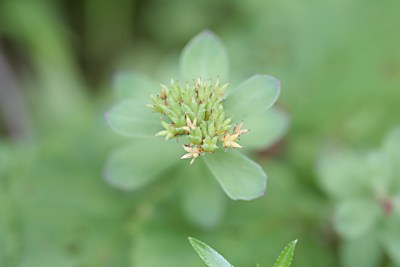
x=253 y=96
x=202 y=199
x=391 y=143
x=133 y=119
x=380 y=172
x=266 y=128
x=356 y=217
x=210 y=257
x=364 y=251
x=286 y=256
x=137 y=164
x=240 y=177
x=205 y=57
x=134 y=85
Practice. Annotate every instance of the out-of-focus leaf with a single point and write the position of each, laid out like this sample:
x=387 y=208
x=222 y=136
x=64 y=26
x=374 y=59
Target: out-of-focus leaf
x=137 y=164
x=134 y=85
x=390 y=237
x=286 y=256
x=363 y=251
x=380 y=172
x=253 y=96
x=355 y=217
x=240 y=177
x=266 y=128
x=341 y=173
x=202 y=198
x=205 y=57
x=391 y=147
x=210 y=257
x=132 y=118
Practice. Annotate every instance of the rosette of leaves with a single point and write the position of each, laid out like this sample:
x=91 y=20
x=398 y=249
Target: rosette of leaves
x=366 y=191
x=205 y=119
x=213 y=259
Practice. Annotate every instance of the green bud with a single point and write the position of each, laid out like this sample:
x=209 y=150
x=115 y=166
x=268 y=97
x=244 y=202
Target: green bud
x=211 y=129
x=210 y=144
x=175 y=107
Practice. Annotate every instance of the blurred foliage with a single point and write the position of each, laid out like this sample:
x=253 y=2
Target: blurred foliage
x=366 y=193
x=339 y=64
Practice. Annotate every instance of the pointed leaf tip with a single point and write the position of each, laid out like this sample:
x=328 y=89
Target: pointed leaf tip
x=209 y=256
x=286 y=256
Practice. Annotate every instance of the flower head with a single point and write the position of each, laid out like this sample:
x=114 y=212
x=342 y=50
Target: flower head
x=197 y=112
x=203 y=115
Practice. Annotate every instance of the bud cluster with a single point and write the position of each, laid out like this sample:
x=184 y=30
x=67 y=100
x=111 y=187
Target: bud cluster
x=197 y=112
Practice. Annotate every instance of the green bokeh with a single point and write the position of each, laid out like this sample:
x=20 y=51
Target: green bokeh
x=339 y=65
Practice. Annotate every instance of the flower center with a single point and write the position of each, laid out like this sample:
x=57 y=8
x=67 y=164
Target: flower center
x=196 y=112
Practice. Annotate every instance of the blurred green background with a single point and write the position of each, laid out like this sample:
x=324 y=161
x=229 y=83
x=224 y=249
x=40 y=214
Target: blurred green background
x=339 y=63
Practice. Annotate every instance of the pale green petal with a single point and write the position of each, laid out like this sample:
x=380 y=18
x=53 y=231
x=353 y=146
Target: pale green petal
x=134 y=85
x=137 y=164
x=210 y=257
x=205 y=57
x=203 y=201
x=240 y=177
x=266 y=128
x=355 y=218
x=253 y=96
x=132 y=118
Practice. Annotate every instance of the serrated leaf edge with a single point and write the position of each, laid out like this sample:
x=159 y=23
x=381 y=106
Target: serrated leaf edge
x=288 y=249
x=195 y=243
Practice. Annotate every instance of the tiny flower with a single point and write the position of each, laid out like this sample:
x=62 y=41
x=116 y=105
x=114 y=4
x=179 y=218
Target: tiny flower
x=238 y=129
x=193 y=152
x=189 y=124
x=229 y=140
